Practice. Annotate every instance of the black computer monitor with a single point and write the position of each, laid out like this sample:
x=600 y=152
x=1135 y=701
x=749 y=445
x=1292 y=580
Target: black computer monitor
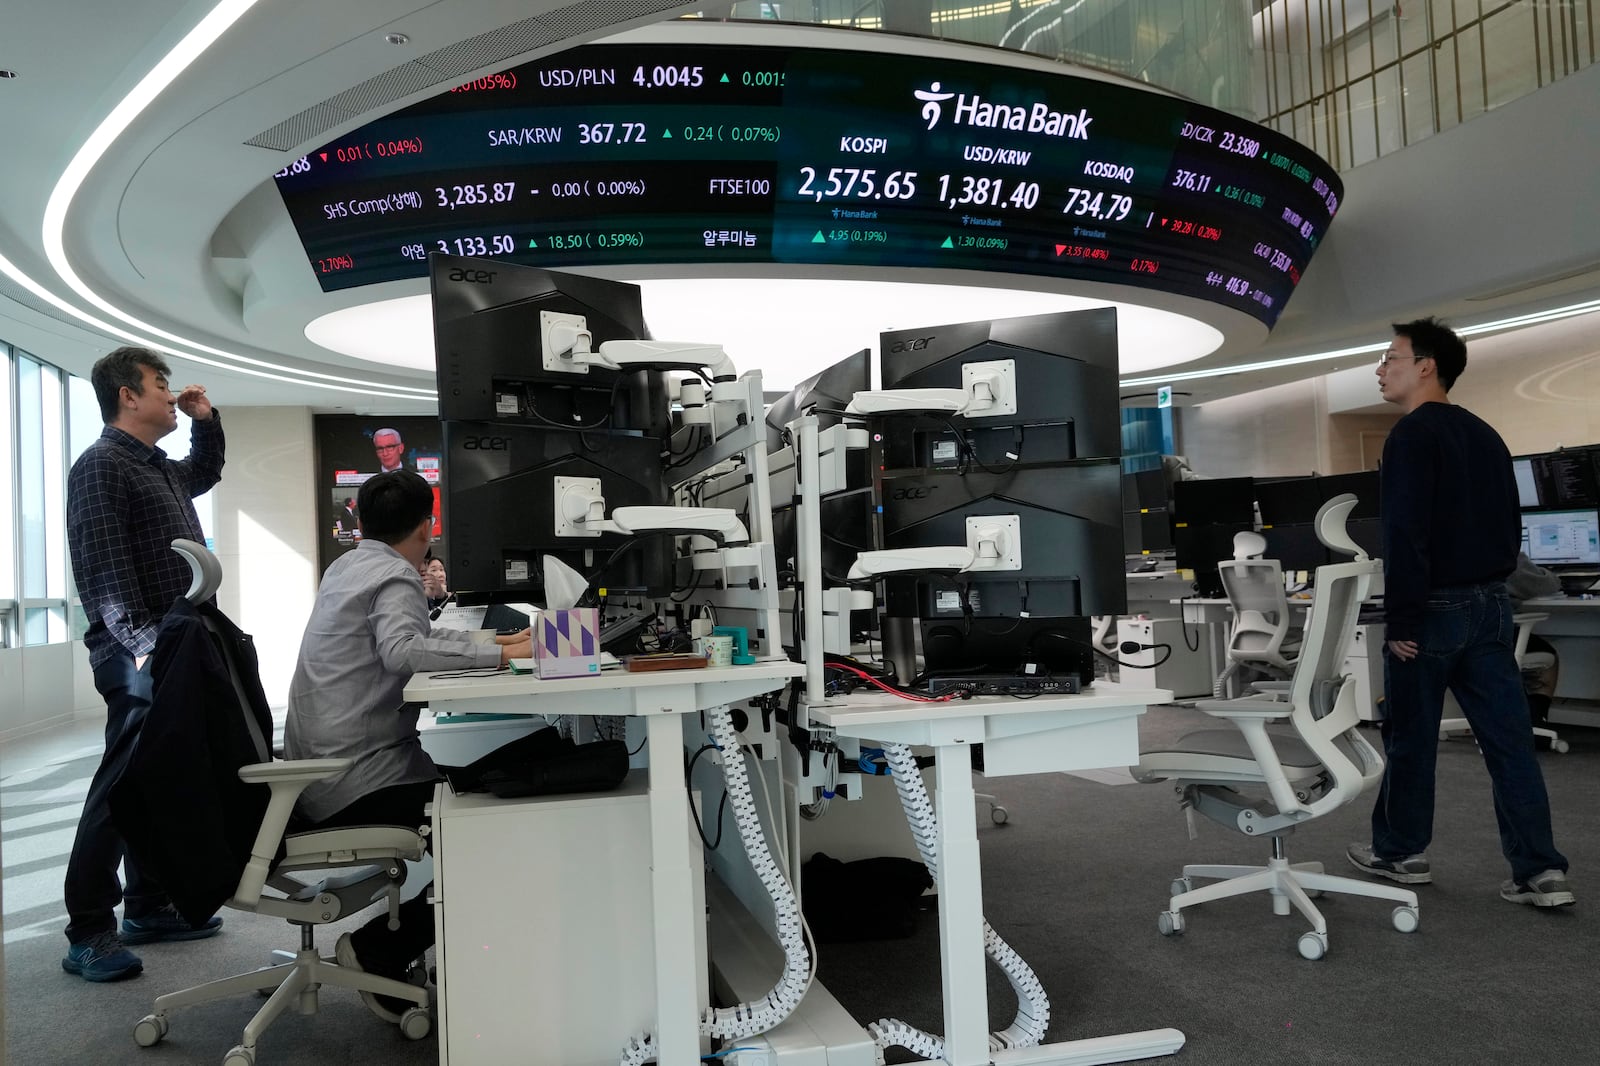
x=1562 y=539
x=1364 y=485
x=1070 y=533
x=1368 y=535
x=1066 y=384
x=1288 y=501
x=1295 y=547
x=826 y=392
x=1564 y=480
x=1209 y=501
x=1144 y=532
x=500 y=508
x=1200 y=547
x=1150 y=490
x=487 y=331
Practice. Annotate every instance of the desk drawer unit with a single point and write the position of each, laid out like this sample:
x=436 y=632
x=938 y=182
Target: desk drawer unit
x=545 y=937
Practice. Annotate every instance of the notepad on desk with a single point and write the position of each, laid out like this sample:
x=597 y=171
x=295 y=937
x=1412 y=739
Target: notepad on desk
x=530 y=666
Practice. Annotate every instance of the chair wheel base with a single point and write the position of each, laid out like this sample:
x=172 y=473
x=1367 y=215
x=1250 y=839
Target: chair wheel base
x=1313 y=945
x=149 y=1030
x=1170 y=923
x=240 y=1056
x=416 y=1023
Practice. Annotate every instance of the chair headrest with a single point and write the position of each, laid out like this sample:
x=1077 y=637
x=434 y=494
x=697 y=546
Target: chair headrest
x=1330 y=525
x=206 y=571
x=1248 y=545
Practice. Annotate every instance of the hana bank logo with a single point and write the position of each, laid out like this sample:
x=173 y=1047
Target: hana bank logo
x=1036 y=116
x=932 y=97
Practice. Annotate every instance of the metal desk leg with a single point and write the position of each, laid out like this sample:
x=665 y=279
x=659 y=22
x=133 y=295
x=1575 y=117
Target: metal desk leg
x=672 y=892
x=966 y=993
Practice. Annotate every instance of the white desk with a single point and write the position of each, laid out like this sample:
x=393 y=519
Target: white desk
x=661 y=698
x=1573 y=629
x=1094 y=729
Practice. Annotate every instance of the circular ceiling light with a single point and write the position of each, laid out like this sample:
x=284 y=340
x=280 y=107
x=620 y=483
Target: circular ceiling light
x=788 y=328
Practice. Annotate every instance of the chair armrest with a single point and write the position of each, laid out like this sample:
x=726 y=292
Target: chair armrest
x=1247 y=709
x=286 y=780
x=304 y=771
x=1251 y=716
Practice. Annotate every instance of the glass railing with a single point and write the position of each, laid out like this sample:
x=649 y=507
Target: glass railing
x=1200 y=49
x=1356 y=79
x=1350 y=79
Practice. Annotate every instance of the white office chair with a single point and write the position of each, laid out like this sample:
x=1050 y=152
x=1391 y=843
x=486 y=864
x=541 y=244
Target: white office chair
x=1455 y=723
x=1317 y=765
x=1259 y=641
x=372 y=864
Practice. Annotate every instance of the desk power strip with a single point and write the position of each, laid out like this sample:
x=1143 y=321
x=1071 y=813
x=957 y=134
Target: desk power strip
x=1004 y=685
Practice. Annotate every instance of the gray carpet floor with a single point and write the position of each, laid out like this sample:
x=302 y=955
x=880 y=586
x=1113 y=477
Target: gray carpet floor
x=1073 y=883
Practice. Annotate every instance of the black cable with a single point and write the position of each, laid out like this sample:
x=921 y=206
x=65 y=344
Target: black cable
x=635 y=540
x=971 y=453
x=688 y=592
x=688 y=785
x=1183 y=625
x=611 y=404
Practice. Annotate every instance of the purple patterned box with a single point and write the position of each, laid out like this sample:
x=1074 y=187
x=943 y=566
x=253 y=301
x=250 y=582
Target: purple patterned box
x=566 y=643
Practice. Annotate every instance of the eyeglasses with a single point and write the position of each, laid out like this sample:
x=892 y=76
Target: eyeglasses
x=388 y=447
x=1383 y=360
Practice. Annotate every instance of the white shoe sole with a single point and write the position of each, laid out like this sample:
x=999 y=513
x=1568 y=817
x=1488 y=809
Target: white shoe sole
x=345 y=953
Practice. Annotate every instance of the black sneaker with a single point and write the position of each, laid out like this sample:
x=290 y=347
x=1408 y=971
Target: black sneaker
x=389 y=1008
x=166 y=924
x=1549 y=889
x=1411 y=870
x=101 y=957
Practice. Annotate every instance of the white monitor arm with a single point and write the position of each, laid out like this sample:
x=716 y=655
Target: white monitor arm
x=875 y=564
x=987 y=388
x=568 y=345
x=666 y=355
x=719 y=523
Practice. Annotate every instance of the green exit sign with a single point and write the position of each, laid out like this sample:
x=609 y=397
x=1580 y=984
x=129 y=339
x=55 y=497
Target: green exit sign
x=1164 y=396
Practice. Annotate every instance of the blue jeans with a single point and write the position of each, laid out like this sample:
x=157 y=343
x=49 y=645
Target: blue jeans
x=1467 y=646
x=92 y=889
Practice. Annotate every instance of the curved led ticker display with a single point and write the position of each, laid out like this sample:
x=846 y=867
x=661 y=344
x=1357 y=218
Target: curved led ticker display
x=615 y=154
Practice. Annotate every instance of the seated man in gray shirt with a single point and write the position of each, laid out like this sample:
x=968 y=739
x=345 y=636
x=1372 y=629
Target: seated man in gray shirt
x=1527 y=581
x=368 y=633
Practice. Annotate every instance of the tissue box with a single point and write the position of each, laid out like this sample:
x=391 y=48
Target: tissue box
x=566 y=643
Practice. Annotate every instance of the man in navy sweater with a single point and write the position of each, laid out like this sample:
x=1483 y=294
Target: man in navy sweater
x=1451 y=532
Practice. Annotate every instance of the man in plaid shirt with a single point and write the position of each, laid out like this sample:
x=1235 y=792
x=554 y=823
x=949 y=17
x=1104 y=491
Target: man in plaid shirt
x=126 y=502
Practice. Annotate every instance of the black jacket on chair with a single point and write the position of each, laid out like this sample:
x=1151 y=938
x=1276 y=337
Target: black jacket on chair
x=179 y=803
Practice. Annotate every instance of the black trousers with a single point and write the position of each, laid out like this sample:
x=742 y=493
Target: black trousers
x=91 y=888
x=381 y=949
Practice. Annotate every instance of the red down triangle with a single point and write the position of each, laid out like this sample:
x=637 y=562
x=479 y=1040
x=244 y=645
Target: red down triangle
x=1060 y=248
x=324 y=156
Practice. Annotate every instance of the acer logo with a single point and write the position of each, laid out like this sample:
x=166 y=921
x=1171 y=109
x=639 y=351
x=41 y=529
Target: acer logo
x=477 y=277
x=486 y=444
x=916 y=344
x=920 y=493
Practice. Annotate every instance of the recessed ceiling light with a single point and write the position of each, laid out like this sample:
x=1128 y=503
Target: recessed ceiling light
x=8 y=74
x=788 y=328
x=397 y=38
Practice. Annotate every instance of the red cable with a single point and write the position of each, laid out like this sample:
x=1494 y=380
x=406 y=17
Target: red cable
x=889 y=688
